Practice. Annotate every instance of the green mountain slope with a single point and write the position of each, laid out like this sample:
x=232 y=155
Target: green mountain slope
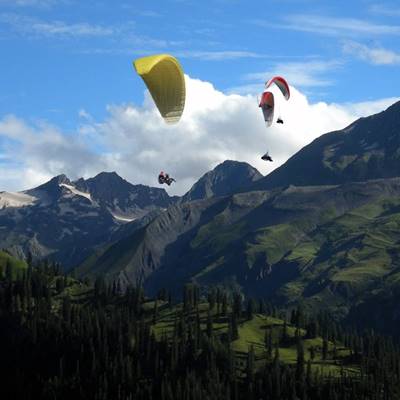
x=252 y=333
x=16 y=266
x=328 y=247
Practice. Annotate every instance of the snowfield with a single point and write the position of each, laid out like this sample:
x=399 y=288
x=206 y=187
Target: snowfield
x=122 y=218
x=74 y=190
x=16 y=199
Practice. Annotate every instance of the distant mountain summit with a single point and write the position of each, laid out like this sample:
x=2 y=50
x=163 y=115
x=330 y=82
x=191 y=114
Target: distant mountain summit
x=225 y=179
x=64 y=220
x=369 y=148
x=122 y=198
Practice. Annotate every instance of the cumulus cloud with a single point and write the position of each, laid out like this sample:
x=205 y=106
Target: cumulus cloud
x=135 y=142
x=33 y=153
x=373 y=55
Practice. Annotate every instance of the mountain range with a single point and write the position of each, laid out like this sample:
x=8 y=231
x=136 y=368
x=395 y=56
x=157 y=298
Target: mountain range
x=65 y=220
x=322 y=229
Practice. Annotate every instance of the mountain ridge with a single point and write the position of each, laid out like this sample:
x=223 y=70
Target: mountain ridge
x=90 y=212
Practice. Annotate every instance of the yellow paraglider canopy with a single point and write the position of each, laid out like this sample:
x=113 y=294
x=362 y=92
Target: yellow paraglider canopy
x=164 y=78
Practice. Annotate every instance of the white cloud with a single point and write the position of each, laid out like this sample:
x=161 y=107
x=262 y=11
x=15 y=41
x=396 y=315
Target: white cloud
x=332 y=26
x=33 y=26
x=381 y=9
x=150 y=14
x=299 y=74
x=33 y=153
x=373 y=55
x=82 y=113
x=137 y=144
x=218 y=55
x=121 y=39
x=58 y=28
x=144 y=45
x=24 y=3
x=366 y=108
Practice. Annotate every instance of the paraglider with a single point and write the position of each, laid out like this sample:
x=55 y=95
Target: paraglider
x=165 y=80
x=282 y=85
x=267 y=104
x=266 y=157
x=165 y=178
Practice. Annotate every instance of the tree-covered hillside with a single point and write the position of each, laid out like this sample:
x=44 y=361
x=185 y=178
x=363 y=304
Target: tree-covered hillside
x=61 y=338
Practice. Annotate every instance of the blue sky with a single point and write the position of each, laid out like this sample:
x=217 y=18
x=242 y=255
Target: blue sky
x=65 y=62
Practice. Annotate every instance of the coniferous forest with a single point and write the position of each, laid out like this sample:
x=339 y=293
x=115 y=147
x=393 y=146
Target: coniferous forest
x=62 y=338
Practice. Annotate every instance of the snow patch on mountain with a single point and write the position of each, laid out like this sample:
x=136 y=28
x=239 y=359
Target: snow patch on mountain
x=122 y=218
x=16 y=199
x=74 y=190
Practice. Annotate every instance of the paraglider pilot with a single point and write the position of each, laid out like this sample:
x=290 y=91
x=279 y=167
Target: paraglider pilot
x=165 y=178
x=266 y=157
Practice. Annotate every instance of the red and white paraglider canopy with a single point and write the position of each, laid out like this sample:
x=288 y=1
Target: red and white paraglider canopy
x=267 y=105
x=282 y=85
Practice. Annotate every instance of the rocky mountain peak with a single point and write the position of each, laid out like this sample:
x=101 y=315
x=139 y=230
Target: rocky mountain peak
x=226 y=178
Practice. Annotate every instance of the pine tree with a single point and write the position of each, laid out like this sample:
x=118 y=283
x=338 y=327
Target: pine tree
x=211 y=299
x=224 y=304
x=155 y=311
x=250 y=309
x=237 y=305
x=300 y=367
x=268 y=343
x=9 y=273
x=235 y=329
x=324 y=348
x=285 y=337
x=312 y=352
x=209 y=325
x=261 y=306
x=250 y=365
